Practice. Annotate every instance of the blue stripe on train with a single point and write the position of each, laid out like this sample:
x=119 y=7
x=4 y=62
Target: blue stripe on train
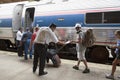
x=68 y=21
x=59 y=20
x=6 y=22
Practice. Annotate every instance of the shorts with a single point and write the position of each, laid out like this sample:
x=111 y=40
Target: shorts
x=81 y=53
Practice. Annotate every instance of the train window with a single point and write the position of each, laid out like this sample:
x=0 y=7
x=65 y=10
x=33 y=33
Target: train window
x=112 y=17
x=93 y=18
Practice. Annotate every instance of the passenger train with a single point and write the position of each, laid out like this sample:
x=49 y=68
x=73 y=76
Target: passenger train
x=102 y=16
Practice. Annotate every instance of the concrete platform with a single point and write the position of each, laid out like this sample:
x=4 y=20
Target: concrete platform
x=13 y=67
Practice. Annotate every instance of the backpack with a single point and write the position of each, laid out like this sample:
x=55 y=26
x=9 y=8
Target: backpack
x=88 y=41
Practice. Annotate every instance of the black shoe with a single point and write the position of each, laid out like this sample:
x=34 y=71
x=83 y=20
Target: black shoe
x=44 y=73
x=86 y=71
x=76 y=67
x=25 y=58
x=34 y=70
x=20 y=55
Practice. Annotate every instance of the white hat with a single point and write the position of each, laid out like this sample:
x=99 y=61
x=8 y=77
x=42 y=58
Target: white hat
x=77 y=25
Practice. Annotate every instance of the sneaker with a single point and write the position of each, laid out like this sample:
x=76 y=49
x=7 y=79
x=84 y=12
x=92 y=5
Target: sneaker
x=109 y=76
x=76 y=67
x=86 y=71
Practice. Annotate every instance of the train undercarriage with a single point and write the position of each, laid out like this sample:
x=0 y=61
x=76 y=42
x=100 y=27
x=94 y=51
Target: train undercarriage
x=6 y=44
x=95 y=53
x=99 y=54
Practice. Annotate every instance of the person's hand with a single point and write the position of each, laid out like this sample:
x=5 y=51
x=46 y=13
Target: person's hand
x=113 y=47
x=73 y=42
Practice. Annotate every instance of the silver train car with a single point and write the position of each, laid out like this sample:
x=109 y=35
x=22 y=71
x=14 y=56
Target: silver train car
x=101 y=16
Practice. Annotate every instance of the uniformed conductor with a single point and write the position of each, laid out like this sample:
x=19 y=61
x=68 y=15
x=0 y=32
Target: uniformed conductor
x=44 y=36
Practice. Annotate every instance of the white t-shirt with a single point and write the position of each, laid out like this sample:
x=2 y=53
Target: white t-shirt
x=19 y=36
x=79 y=46
x=45 y=36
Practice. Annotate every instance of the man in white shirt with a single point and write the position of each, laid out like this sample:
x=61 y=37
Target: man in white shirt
x=43 y=38
x=18 y=41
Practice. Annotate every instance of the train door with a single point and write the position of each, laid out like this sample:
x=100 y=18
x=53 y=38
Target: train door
x=29 y=17
x=17 y=17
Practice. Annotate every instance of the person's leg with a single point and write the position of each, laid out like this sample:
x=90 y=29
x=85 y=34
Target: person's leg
x=35 y=62
x=30 y=52
x=85 y=63
x=26 y=50
x=42 y=58
x=82 y=56
x=33 y=49
x=36 y=56
x=78 y=62
x=87 y=70
x=48 y=56
x=17 y=45
x=114 y=64
x=111 y=76
x=19 y=49
x=79 y=59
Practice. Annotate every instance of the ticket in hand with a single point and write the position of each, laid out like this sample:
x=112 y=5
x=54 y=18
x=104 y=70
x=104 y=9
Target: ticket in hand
x=67 y=42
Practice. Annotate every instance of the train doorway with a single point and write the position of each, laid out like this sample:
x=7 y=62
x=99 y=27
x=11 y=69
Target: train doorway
x=29 y=17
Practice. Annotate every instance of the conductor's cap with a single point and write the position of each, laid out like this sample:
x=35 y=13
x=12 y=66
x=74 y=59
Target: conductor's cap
x=77 y=25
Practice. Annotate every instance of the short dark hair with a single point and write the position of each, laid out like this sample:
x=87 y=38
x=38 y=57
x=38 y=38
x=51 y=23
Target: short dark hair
x=20 y=28
x=52 y=25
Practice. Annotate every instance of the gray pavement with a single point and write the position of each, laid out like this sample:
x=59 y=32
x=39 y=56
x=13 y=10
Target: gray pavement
x=13 y=67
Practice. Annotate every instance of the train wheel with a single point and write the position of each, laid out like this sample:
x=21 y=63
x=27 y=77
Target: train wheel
x=3 y=45
x=99 y=54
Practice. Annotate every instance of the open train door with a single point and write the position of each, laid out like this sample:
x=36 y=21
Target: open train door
x=17 y=17
x=29 y=17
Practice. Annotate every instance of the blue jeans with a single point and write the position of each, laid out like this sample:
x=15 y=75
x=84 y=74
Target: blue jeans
x=26 y=47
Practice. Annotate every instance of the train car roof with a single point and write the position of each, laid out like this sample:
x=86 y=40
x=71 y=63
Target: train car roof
x=81 y=4
x=14 y=3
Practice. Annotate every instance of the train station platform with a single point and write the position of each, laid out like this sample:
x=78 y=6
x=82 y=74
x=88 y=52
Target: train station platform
x=13 y=67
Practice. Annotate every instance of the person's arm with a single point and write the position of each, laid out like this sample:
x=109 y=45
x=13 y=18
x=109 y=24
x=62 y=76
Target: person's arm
x=61 y=42
x=31 y=42
x=115 y=47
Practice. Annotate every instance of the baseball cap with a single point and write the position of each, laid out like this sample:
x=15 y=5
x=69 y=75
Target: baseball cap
x=77 y=25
